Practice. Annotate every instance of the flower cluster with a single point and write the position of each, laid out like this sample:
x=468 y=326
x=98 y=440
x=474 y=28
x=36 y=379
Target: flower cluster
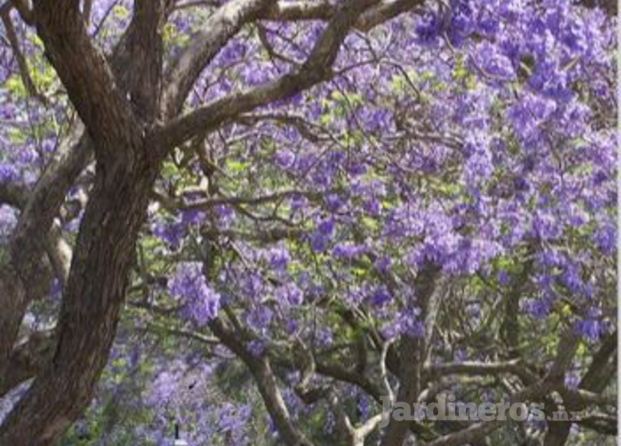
x=200 y=302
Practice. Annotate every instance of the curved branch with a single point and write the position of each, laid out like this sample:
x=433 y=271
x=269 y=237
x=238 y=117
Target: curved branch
x=187 y=66
x=266 y=382
x=412 y=350
x=316 y=69
x=230 y=18
x=325 y=10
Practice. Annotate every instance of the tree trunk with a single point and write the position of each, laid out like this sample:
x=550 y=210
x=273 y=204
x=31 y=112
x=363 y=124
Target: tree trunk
x=92 y=302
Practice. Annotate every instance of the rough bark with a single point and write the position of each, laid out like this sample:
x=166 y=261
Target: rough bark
x=105 y=245
x=90 y=310
x=86 y=75
x=14 y=302
x=510 y=326
x=28 y=276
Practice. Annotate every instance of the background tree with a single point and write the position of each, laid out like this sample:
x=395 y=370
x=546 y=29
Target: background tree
x=289 y=212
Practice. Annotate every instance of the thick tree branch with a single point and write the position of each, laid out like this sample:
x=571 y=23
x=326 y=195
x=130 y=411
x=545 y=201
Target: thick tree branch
x=475 y=368
x=92 y=301
x=317 y=68
x=187 y=66
x=145 y=48
x=325 y=10
x=609 y=6
x=230 y=18
x=266 y=382
x=28 y=243
x=105 y=245
x=510 y=327
x=86 y=75
x=27 y=276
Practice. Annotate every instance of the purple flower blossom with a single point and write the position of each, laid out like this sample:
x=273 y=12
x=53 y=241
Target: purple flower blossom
x=260 y=318
x=201 y=303
x=546 y=226
x=192 y=217
x=348 y=251
x=326 y=226
x=253 y=285
x=8 y=173
x=380 y=297
x=356 y=169
x=334 y=202
x=256 y=347
x=503 y=278
x=234 y=421
x=290 y=294
x=495 y=66
x=284 y=158
x=279 y=258
x=383 y=264
x=538 y=308
x=407 y=322
x=430 y=27
x=373 y=207
x=590 y=328
x=291 y=326
x=606 y=238
x=572 y=380
x=324 y=337
x=319 y=242
x=172 y=233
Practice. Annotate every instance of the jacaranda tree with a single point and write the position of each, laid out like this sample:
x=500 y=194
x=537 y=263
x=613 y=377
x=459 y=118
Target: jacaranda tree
x=280 y=221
